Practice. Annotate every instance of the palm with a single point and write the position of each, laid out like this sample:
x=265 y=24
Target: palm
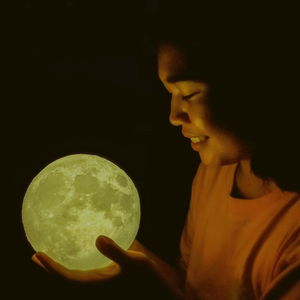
x=91 y=276
x=103 y=274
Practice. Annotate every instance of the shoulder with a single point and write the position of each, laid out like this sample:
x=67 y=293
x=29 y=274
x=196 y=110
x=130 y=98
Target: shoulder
x=290 y=212
x=289 y=251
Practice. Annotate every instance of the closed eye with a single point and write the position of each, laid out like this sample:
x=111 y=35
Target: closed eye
x=186 y=97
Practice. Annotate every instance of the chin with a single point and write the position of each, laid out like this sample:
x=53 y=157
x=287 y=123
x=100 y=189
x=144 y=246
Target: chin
x=217 y=162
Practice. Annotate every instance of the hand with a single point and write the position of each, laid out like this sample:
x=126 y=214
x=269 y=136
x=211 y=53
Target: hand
x=128 y=261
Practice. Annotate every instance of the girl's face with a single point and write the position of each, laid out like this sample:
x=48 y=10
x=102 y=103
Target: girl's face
x=190 y=110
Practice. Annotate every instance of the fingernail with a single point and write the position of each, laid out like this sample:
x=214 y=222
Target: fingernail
x=103 y=243
x=37 y=261
x=102 y=240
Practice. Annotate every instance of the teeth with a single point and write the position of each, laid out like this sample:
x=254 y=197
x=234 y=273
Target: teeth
x=198 y=139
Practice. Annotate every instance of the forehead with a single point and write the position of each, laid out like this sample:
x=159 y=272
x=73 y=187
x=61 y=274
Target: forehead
x=173 y=66
x=172 y=63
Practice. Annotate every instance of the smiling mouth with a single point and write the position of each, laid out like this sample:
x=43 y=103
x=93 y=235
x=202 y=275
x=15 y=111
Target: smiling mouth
x=198 y=139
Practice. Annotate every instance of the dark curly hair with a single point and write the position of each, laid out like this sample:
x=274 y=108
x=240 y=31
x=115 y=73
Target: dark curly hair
x=249 y=64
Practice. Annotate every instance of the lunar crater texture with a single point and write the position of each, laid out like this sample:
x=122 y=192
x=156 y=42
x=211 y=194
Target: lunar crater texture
x=75 y=199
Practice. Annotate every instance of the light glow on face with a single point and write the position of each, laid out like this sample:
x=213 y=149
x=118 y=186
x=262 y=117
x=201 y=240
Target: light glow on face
x=190 y=109
x=75 y=199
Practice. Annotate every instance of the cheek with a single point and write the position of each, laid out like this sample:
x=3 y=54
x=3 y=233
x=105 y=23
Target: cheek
x=229 y=145
x=201 y=118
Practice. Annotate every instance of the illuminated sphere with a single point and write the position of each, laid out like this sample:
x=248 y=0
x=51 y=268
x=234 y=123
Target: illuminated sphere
x=75 y=199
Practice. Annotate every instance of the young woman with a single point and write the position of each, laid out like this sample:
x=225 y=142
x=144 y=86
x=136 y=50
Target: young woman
x=242 y=235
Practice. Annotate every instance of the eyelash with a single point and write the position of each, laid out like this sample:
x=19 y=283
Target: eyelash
x=187 y=97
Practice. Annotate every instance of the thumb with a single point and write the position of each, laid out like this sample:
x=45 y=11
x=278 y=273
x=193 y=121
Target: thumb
x=111 y=250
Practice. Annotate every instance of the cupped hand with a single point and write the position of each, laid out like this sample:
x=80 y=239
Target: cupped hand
x=129 y=261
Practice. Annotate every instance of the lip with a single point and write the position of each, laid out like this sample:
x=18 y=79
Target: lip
x=189 y=135
x=198 y=146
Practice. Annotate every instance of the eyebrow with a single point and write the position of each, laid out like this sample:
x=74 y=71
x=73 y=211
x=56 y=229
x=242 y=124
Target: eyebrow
x=181 y=77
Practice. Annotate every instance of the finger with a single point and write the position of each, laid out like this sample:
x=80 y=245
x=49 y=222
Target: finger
x=51 y=266
x=101 y=275
x=38 y=262
x=80 y=276
x=111 y=250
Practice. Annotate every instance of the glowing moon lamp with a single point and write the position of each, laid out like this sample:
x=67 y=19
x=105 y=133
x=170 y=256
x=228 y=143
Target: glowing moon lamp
x=75 y=199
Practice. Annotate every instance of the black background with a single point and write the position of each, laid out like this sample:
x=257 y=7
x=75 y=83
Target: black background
x=81 y=82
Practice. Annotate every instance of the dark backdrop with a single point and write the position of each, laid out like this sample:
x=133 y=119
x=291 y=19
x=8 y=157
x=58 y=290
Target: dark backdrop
x=82 y=81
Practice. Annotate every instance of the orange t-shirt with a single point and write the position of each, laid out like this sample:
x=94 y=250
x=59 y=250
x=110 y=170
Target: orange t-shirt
x=235 y=248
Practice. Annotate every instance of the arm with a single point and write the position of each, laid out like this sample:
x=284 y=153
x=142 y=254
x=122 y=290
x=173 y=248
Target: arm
x=172 y=277
x=138 y=261
x=287 y=288
x=293 y=293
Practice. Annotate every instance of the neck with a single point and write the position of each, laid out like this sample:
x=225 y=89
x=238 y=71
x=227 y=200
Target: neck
x=248 y=186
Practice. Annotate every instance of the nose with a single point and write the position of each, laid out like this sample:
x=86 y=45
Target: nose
x=178 y=113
